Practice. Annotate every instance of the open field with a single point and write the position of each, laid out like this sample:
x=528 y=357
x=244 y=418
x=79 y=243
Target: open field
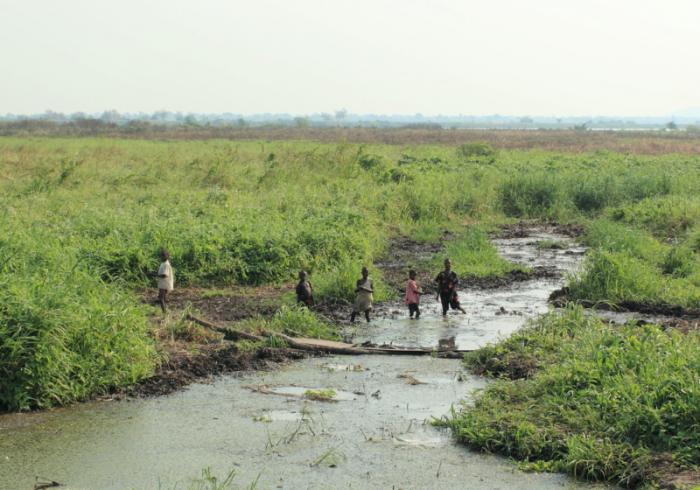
x=82 y=221
x=564 y=140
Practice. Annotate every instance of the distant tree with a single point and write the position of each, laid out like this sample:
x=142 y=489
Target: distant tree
x=161 y=116
x=302 y=122
x=110 y=116
x=340 y=115
x=50 y=115
x=671 y=125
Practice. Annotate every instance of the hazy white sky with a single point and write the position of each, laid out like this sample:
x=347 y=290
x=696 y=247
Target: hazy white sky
x=538 y=57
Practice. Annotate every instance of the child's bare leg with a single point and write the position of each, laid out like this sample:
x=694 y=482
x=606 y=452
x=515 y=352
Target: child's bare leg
x=352 y=317
x=162 y=298
x=367 y=315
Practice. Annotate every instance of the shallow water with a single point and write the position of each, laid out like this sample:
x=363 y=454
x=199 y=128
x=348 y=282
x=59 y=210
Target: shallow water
x=491 y=313
x=379 y=438
x=375 y=434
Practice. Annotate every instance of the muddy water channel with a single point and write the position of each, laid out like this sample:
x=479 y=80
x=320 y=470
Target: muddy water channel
x=374 y=434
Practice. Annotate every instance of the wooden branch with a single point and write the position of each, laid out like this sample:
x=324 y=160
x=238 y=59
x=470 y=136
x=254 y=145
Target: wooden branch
x=230 y=333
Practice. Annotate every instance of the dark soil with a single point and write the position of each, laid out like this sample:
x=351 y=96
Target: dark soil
x=523 y=229
x=183 y=368
x=225 y=305
x=405 y=254
x=560 y=298
x=513 y=365
x=513 y=276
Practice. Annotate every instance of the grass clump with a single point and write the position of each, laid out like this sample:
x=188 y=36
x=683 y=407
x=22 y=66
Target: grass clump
x=551 y=245
x=476 y=151
x=473 y=255
x=530 y=195
x=324 y=395
x=628 y=265
x=604 y=403
x=291 y=320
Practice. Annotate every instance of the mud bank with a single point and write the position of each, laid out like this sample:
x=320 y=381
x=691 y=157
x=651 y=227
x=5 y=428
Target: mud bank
x=186 y=368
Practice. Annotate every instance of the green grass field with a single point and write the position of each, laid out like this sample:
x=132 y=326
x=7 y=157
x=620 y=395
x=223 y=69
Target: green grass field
x=82 y=221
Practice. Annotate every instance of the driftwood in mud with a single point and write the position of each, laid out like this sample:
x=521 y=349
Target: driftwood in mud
x=328 y=346
x=229 y=333
x=319 y=345
x=40 y=485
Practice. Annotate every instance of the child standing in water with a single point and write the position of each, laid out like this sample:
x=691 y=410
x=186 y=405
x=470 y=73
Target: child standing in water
x=363 y=301
x=413 y=293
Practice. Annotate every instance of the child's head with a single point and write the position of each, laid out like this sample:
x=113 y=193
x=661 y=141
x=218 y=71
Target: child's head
x=302 y=275
x=412 y=274
x=164 y=254
x=365 y=272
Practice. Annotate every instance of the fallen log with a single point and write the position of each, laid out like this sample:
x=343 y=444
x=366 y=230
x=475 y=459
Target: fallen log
x=229 y=333
x=318 y=345
x=327 y=346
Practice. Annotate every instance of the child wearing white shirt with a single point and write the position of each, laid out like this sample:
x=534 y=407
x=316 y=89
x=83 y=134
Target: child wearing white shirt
x=166 y=279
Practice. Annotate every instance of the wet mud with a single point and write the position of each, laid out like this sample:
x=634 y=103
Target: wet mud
x=227 y=304
x=658 y=311
x=184 y=368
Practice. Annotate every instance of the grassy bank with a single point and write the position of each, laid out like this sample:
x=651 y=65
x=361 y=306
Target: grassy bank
x=600 y=402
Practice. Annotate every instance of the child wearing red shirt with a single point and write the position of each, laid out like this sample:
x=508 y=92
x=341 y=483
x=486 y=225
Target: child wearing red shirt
x=413 y=293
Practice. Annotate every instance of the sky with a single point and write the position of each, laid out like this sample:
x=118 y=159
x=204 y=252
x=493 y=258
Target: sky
x=512 y=57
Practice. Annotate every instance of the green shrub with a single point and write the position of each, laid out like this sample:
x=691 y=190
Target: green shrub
x=593 y=194
x=680 y=261
x=476 y=151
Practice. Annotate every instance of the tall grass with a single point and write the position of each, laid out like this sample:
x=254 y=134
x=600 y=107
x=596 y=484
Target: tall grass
x=255 y=212
x=630 y=265
x=617 y=404
x=64 y=333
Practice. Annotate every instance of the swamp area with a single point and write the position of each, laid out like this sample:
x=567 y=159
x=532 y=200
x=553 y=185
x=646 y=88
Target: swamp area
x=577 y=359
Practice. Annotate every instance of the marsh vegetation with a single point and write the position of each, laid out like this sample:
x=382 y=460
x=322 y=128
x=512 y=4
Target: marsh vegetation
x=82 y=221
